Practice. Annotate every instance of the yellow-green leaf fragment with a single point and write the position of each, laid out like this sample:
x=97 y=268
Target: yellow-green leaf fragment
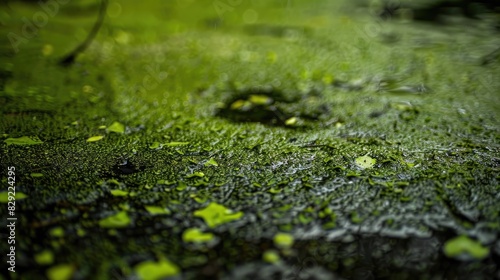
x=36 y=175
x=365 y=162
x=116 y=127
x=4 y=196
x=45 y=257
x=215 y=214
x=60 y=272
x=283 y=240
x=155 y=145
x=271 y=256
x=95 y=138
x=24 y=140
x=196 y=174
x=211 y=162
x=119 y=193
x=119 y=220
x=260 y=99
x=239 y=104
x=57 y=232
x=157 y=210
x=291 y=121
x=463 y=245
x=150 y=270
x=175 y=144
x=197 y=236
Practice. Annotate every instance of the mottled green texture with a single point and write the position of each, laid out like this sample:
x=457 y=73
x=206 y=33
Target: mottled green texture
x=243 y=130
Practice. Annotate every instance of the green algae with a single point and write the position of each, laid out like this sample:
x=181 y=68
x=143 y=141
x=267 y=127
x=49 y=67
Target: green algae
x=4 y=196
x=45 y=257
x=216 y=214
x=283 y=240
x=118 y=220
x=61 y=272
x=119 y=192
x=157 y=210
x=365 y=162
x=196 y=235
x=150 y=270
x=462 y=244
x=292 y=167
x=271 y=256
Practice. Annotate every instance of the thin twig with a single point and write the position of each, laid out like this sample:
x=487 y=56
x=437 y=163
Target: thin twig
x=69 y=59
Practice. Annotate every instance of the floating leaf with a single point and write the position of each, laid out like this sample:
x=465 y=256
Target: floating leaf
x=156 y=210
x=4 y=196
x=95 y=138
x=150 y=270
x=24 y=140
x=196 y=235
x=119 y=193
x=271 y=256
x=121 y=219
x=463 y=245
x=36 y=175
x=260 y=99
x=365 y=162
x=283 y=240
x=181 y=186
x=61 y=272
x=240 y=105
x=196 y=174
x=116 y=127
x=57 y=232
x=175 y=144
x=215 y=214
x=155 y=145
x=291 y=121
x=45 y=257
x=212 y=162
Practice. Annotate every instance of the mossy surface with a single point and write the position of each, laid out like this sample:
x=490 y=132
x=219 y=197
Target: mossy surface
x=187 y=138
